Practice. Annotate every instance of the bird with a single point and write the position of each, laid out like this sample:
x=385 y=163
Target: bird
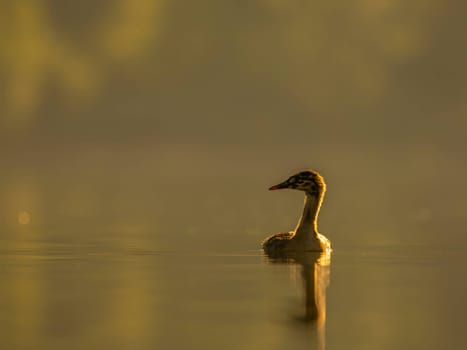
x=305 y=237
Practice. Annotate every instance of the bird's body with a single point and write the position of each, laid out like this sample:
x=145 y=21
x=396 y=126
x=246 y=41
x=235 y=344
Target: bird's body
x=288 y=242
x=305 y=237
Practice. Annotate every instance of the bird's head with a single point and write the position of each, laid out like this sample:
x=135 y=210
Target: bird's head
x=309 y=181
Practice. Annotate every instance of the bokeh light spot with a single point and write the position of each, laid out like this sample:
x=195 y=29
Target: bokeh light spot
x=24 y=218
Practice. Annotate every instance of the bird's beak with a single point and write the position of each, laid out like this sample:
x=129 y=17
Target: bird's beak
x=279 y=186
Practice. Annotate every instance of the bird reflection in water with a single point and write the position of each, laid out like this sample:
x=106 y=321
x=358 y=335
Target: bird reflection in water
x=315 y=274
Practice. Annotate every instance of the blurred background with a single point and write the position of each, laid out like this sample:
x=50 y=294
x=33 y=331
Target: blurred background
x=153 y=126
x=169 y=119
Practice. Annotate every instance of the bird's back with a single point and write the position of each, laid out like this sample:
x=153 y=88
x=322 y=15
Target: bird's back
x=277 y=242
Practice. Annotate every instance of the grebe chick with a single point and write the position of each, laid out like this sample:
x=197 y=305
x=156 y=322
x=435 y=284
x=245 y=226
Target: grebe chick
x=305 y=237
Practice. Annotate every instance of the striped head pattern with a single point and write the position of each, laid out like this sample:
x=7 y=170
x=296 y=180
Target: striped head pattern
x=309 y=181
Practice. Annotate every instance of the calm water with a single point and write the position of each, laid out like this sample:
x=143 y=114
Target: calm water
x=132 y=254
x=120 y=293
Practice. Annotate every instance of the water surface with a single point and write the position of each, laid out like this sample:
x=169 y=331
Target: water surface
x=56 y=296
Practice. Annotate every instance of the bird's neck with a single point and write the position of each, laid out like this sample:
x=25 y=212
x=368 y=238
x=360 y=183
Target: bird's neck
x=308 y=223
